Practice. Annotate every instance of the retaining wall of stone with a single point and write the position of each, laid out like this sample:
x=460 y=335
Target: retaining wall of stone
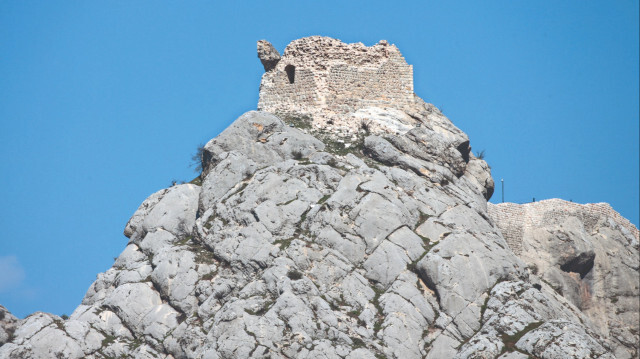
x=514 y=219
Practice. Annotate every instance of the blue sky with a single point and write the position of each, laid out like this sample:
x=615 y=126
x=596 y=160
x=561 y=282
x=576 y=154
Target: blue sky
x=103 y=103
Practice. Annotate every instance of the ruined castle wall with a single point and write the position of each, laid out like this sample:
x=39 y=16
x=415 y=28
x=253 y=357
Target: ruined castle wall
x=515 y=219
x=351 y=88
x=509 y=217
x=337 y=77
x=277 y=94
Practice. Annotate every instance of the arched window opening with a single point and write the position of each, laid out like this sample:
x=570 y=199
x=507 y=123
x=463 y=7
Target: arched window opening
x=291 y=73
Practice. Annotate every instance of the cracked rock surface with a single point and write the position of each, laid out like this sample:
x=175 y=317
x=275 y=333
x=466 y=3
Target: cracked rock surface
x=302 y=244
x=588 y=255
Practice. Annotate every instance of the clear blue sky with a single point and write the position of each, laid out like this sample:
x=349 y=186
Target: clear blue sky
x=103 y=103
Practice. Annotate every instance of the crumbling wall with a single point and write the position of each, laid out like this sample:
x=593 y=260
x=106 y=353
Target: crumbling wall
x=334 y=77
x=514 y=219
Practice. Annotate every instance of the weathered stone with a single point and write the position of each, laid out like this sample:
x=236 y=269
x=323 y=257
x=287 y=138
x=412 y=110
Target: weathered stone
x=8 y=323
x=173 y=210
x=589 y=253
x=268 y=55
x=352 y=224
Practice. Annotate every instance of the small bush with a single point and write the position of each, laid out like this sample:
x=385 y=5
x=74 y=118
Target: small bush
x=297 y=155
x=197 y=159
x=365 y=125
x=283 y=243
x=209 y=276
x=108 y=339
x=64 y=316
x=480 y=155
x=294 y=275
x=357 y=343
x=354 y=313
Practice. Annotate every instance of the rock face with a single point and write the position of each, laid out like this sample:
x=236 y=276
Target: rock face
x=268 y=55
x=309 y=239
x=8 y=324
x=587 y=253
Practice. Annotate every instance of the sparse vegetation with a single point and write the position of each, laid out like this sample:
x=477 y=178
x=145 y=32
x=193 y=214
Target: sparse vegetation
x=108 y=339
x=205 y=256
x=185 y=240
x=197 y=159
x=287 y=202
x=377 y=325
x=423 y=218
x=480 y=155
x=303 y=217
x=365 y=126
x=196 y=181
x=614 y=299
x=357 y=343
x=324 y=198
x=296 y=120
x=294 y=274
x=297 y=155
x=209 y=276
x=413 y=266
x=511 y=340
x=354 y=313
x=283 y=243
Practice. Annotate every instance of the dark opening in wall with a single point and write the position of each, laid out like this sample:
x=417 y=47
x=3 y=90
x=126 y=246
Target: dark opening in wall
x=291 y=73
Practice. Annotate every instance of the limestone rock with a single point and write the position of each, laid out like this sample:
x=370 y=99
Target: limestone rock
x=268 y=55
x=348 y=220
x=589 y=254
x=8 y=323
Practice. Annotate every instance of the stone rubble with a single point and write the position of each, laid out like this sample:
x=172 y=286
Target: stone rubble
x=352 y=240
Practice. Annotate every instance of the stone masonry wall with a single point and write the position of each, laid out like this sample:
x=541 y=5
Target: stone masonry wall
x=514 y=219
x=333 y=77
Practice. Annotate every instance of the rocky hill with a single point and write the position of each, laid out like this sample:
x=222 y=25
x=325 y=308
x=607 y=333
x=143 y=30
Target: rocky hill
x=347 y=218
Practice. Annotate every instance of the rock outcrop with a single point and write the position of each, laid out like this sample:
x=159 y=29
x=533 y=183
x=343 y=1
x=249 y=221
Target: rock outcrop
x=588 y=254
x=366 y=237
x=8 y=324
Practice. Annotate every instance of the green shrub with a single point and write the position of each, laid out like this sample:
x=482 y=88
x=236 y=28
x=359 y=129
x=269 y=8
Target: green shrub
x=294 y=275
x=197 y=159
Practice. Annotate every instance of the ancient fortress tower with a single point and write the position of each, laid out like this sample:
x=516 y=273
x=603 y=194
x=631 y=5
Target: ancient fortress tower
x=329 y=80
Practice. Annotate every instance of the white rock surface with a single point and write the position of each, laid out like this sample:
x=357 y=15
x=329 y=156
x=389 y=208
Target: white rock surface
x=304 y=242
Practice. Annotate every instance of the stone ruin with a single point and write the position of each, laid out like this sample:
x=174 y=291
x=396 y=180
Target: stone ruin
x=515 y=220
x=333 y=82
